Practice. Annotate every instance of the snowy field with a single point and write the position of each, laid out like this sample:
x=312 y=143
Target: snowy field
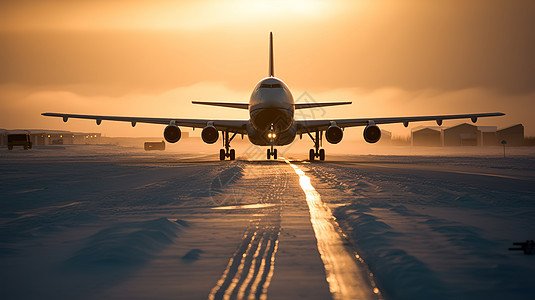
x=112 y=222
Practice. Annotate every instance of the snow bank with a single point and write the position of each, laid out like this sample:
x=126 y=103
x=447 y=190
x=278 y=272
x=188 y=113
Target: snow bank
x=127 y=243
x=37 y=224
x=437 y=227
x=402 y=276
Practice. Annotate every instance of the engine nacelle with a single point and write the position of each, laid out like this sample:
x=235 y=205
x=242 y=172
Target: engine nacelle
x=209 y=134
x=372 y=133
x=172 y=133
x=334 y=134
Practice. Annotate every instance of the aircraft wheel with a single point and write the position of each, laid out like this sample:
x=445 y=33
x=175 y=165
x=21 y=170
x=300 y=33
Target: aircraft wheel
x=221 y=154
x=232 y=154
x=311 y=154
x=10 y=147
x=275 y=153
x=268 y=154
x=322 y=154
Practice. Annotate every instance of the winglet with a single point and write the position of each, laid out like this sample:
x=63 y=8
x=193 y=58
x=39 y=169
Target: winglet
x=271 y=71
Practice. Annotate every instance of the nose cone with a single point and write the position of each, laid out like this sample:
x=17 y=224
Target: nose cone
x=271 y=98
x=263 y=118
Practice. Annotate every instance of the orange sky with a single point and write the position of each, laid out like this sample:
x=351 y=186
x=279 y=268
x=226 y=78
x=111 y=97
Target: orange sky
x=391 y=58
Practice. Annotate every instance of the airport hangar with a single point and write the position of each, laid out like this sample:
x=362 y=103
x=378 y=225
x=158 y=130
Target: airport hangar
x=467 y=135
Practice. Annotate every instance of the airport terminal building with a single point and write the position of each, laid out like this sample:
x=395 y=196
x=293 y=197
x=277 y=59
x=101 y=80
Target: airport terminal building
x=52 y=137
x=466 y=135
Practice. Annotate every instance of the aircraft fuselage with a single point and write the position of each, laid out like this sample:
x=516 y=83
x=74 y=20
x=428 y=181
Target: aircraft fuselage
x=271 y=112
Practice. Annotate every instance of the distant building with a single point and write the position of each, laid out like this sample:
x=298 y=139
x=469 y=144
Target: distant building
x=386 y=138
x=4 y=133
x=461 y=135
x=488 y=135
x=467 y=135
x=514 y=135
x=53 y=137
x=426 y=136
x=3 y=137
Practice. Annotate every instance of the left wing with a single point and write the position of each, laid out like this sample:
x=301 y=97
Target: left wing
x=223 y=104
x=313 y=125
x=238 y=126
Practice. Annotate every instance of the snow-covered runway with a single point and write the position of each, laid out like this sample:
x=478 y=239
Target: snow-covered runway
x=113 y=222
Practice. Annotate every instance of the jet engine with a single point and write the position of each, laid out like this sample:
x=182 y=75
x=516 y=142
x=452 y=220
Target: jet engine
x=372 y=133
x=172 y=133
x=209 y=134
x=334 y=134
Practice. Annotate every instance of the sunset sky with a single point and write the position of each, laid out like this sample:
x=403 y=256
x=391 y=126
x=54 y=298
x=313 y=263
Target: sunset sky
x=151 y=58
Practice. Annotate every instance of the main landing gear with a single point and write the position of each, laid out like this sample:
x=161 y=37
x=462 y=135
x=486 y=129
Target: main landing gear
x=316 y=152
x=227 y=152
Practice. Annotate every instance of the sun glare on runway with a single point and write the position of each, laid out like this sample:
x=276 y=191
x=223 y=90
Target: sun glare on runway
x=345 y=277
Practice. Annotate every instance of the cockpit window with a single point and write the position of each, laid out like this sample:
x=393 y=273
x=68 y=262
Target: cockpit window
x=267 y=85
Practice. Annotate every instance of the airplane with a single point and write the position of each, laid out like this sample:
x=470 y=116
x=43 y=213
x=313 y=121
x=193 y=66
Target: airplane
x=271 y=120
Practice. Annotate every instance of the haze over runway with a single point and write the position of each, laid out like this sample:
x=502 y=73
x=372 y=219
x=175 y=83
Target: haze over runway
x=152 y=58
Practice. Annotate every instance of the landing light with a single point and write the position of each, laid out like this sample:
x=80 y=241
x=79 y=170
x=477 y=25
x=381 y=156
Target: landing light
x=272 y=135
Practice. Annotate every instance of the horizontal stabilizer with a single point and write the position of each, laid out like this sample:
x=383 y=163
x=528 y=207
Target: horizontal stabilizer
x=316 y=104
x=224 y=104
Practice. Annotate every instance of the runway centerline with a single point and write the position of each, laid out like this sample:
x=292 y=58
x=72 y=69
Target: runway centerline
x=346 y=279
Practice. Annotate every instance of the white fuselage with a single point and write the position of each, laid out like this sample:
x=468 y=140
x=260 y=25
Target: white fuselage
x=271 y=110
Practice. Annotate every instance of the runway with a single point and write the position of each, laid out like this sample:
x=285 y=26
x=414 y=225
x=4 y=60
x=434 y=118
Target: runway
x=113 y=222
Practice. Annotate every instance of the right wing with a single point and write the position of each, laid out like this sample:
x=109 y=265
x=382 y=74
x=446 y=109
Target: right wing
x=318 y=104
x=313 y=125
x=238 y=126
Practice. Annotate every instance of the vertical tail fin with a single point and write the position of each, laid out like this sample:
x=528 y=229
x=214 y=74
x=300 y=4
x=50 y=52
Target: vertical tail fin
x=271 y=70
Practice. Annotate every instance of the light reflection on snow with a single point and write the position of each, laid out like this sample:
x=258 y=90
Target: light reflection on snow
x=237 y=277
x=256 y=281
x=345 y=278
x=247 y=206
x=250 y=270
x=263 y=296
x=29 y=191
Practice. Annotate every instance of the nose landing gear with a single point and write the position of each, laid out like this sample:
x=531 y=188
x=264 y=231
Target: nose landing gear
x=271 y=152
x=271 y=136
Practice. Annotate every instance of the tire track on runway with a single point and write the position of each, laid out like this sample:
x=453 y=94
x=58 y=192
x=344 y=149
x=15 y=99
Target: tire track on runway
x=249 y=271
